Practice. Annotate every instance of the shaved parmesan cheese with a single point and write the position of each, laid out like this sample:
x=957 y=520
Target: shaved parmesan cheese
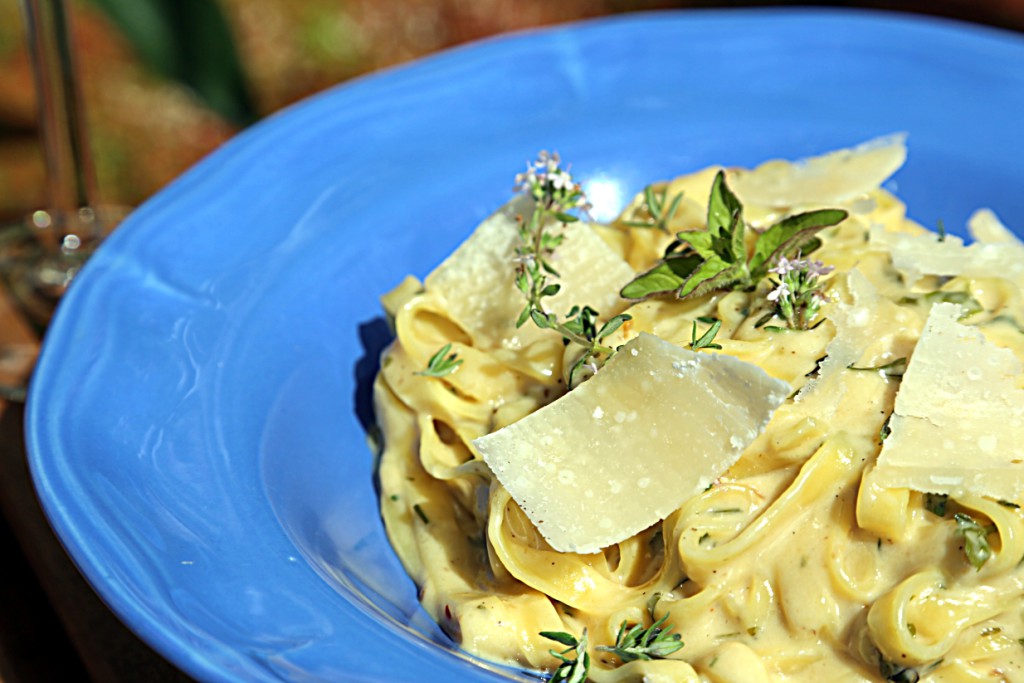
x=958 y=424
x=832 y=178
x=478 y=280
x=575 y=466
x=918 y=256
x=853 y=335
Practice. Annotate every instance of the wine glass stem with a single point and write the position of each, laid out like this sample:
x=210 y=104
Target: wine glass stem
x=71 y=180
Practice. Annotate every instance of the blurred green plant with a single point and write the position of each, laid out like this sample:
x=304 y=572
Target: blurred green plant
x=189 y=41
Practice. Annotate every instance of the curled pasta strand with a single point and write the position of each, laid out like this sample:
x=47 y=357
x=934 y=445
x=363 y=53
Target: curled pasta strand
x=579 y=581
x=920 y=620
x=833 y=467
x=1009 y=525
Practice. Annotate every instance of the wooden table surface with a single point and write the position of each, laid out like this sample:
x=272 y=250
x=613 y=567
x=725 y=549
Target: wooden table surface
x=53 y=627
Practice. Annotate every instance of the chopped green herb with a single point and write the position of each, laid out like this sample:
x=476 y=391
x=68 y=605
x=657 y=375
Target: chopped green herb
x=940 y=226
x=1009 y=504
x=936 y=503
x=885 y=431
x=976 y=547
x=420 y=513
x=894 y=368
x=572 y=669
x=653 y=642
x=442 y=363
x=912 y=629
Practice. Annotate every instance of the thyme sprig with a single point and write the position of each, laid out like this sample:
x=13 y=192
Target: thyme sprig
x=702 y=261
x=556 y=194
x=442 y=363
x=572 y=669
x=653 y=642
x=659 y=216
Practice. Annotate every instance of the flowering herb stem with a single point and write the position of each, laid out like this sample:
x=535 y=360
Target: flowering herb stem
x=797 y=296
x=556 y=194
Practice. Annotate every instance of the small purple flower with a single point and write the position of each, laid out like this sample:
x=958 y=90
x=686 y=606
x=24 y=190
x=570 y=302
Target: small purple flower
x=785 y=265
x=781 y=291
x=818 y=269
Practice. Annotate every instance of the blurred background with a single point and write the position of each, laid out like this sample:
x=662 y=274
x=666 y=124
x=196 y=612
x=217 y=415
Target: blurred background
x=167 y=81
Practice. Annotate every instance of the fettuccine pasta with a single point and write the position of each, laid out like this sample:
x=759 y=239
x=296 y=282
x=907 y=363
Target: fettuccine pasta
x=798 y=563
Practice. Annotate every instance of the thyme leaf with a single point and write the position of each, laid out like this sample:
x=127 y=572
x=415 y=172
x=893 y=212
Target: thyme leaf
x=894 y=368
x=707 y=339
x=442 y=363
x=572 y=669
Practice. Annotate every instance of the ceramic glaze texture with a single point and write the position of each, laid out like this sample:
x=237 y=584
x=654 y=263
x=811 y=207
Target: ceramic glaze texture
x=196 y=422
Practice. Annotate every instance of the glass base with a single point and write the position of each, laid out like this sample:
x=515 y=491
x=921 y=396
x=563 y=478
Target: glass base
x=41 y=256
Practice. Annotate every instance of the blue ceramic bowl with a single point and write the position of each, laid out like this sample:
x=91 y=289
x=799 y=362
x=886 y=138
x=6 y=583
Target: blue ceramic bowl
x=196 y=421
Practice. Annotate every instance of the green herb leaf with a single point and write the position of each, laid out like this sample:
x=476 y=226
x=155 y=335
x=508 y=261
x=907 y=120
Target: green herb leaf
x=936 y=503
x=420 y=513
x=654 y=204
x=707 y=339
x=441 y=363
x=667 y=276
x=702 y=261
x=612 y=325
x=712 y=275
x=886 y=430
x=652 y=642
x=572 y=669
x=724 y=208
x=976 y=546
x=894 y=368
x=788 y=236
